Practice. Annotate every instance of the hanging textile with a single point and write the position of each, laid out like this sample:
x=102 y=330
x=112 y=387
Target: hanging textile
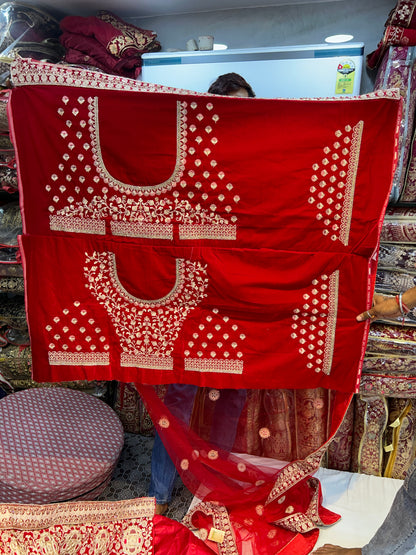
x=176 y=225
x=182 y=238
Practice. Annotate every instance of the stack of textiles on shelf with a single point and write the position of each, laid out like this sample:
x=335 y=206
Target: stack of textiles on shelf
x=399 y=30
x=384 y=410
x=107 y=43
x=398 y=70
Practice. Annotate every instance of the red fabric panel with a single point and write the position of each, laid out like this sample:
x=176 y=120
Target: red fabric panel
x=177 y=178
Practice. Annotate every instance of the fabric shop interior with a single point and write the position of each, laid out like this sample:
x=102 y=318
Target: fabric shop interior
x=208 y=277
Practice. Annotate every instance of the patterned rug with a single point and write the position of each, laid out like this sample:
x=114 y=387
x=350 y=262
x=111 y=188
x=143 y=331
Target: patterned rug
x=132 y=476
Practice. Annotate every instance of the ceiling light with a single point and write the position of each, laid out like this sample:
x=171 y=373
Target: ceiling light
x=335 y=39
x=218 y=46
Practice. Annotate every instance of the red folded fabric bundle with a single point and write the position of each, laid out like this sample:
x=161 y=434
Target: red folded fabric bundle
x=393 y=36
x=107 y=42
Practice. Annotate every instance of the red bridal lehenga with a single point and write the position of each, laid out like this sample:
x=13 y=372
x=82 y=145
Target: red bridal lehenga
x=167 y=239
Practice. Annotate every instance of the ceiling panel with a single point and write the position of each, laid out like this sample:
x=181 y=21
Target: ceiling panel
x=150 y=8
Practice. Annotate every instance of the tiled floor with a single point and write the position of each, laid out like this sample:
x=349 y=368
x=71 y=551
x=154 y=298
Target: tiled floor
x=132 y=475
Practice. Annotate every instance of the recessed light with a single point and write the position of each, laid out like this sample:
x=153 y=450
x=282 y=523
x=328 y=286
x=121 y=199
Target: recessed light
x=334 y=39
x=218 y=46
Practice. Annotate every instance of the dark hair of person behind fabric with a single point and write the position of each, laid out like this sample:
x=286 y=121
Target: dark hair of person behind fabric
x=228 y=83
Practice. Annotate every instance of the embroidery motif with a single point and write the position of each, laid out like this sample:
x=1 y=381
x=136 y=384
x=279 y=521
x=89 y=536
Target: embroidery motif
x=83 y=527
x=294 y=472
x=79 y=189
x=314 y=324
x=147 y=329
x=334 y=183
x=214 y=346
x=146 y=190
x=75 y=339
x=221 y=521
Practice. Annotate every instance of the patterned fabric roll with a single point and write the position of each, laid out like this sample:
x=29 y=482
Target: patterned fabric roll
x=389 y=365
x=403 y=14
x=8 y=179
x=393 y=257
x=399 y=225
x=12 y=312
x=374 y=384
x=15 y=362
x=340 y=449
x=394 y=340
x=393 y=282
x=400 y=444
x=397 y=70
x=10 y=284
x=371 y=420
x=13 y=269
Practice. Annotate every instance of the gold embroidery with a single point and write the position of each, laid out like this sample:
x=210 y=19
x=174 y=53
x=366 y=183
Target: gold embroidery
x=208 y=365
x=151 y=362
x=77 y=225
x=334 y=197
x=224 y=231
x=351 y=179
x=331 y=321
x=36 y=517
x=314 y=324
x=129 y=215
x=221 y=521
x=146 y=190
x=142 y=229
x=146 y=328
x=63 y=358
x=294 y=472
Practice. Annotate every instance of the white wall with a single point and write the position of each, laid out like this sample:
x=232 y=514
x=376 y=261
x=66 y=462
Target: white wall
x=278 y=26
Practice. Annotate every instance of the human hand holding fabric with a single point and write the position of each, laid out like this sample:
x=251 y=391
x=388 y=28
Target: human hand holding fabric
x=389 y=307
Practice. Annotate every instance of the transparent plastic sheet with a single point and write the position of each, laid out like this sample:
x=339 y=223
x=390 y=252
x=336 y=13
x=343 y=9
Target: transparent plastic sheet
x=248 y=490
x=10 y=223
x=397 y=69
x=28 y=32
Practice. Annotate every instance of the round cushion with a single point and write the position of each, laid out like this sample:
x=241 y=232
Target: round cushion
x=56 y=444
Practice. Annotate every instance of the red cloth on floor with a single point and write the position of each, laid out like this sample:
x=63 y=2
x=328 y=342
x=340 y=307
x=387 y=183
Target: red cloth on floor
x=173 y=538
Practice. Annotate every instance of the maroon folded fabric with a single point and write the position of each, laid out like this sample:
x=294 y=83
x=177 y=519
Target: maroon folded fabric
x=107 y=43
x=393 y=35
x=403 y=15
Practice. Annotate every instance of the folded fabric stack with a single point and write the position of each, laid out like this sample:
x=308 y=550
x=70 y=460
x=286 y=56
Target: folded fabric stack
x=398 y=70
x=383 y=410
x=388 y=382
x=132 y=411
x=400 y=30
x=107 y=43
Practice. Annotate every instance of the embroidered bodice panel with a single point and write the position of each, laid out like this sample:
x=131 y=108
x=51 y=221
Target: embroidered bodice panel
x=196 y=196
x=145 y=327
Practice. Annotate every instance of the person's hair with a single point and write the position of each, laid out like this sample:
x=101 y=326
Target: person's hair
x=228 y=83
